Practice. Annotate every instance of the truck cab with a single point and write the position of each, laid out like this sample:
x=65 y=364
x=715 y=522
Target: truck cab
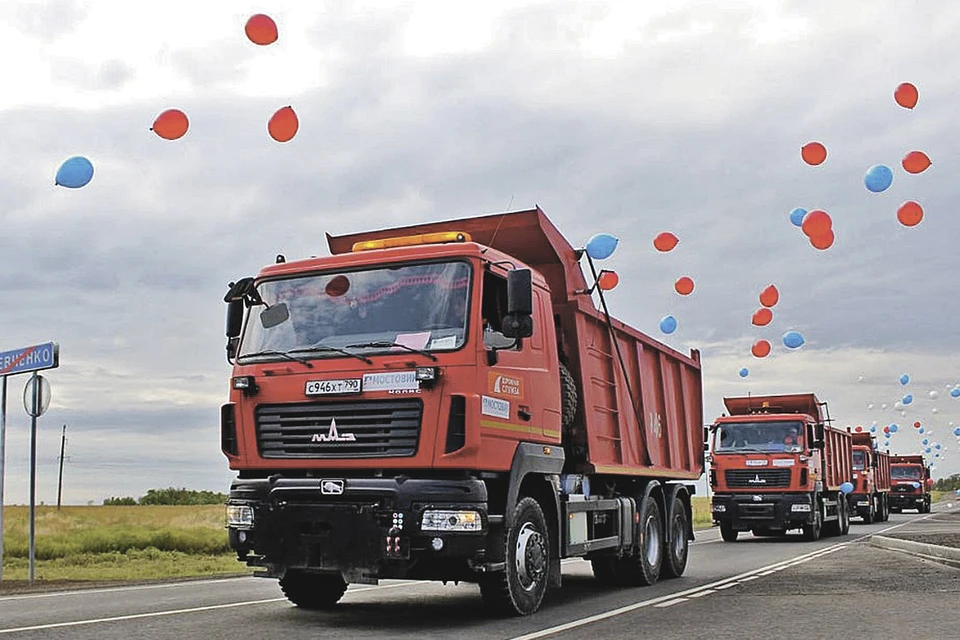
x=911 y=484
x=871 y=480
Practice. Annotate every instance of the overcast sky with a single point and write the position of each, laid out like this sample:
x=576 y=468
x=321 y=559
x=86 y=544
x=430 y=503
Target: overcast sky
x=611 y=116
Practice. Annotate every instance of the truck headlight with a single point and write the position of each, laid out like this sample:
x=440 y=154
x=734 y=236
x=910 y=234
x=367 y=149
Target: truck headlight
x=240 y=516
x=450 y=520
x=719 y=508
x=801 y=508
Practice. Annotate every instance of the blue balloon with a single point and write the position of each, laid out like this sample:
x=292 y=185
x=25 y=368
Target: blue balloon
x=668 y=324
x=873 y=429
x=938 y=446
x=894 y=428
x=793 y=340
x=925 y=442
x=878 y=178
x=796 y=216
x=921 y=430
x=907 y=399
x=927 y=450
x=74 y=173
x=916 y=485
x=956 y=432
x=846 y=487
x=744 y=372
x=602 y=246
x=904 y=379
x=955 y=393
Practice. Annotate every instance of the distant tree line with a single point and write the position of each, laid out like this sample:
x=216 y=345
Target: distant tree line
x=951 y=483
x=169 y=496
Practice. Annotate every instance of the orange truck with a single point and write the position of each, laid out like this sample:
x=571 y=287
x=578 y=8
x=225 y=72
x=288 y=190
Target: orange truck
x=911 y=481
x=777 y=464
x=450 y=402
x=871 y=480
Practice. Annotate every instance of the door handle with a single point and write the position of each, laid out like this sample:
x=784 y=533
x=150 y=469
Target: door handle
x=524 y=415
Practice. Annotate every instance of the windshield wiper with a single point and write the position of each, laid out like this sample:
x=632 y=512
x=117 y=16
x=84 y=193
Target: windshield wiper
x=283 y=354
x=386 y=343
x=326 y=349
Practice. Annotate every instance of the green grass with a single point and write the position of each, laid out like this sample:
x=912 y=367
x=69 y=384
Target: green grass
x=702 y=518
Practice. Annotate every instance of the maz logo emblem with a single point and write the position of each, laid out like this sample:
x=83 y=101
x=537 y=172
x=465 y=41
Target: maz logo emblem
x=332 y=435
x=331 y=487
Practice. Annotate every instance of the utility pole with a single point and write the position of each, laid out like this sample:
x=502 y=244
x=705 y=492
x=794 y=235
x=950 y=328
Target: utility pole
x=63 y=444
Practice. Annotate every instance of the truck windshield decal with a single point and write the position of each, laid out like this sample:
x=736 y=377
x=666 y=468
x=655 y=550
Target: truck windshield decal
x=369 y=311
x=759 y=437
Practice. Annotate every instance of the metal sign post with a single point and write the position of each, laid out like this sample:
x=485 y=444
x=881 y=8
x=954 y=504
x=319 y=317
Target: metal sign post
x=36 y=399
x=23 y=360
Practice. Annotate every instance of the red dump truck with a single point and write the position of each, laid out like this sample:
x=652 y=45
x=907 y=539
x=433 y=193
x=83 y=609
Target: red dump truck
x=447 y=402
x=871 y=480
x=777 y=464
x=911 y=481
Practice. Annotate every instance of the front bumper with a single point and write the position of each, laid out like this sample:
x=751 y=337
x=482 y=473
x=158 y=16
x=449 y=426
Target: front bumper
x=775 y=511
x=906 y=500
x=368 y=531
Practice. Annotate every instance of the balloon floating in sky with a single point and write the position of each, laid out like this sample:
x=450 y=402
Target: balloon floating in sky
x=956 y=432
x=668 y=324
x=917 y=425
x=796 y=216
x=74 y=173
x=878 y=178
x=683 y=285
x=934 y=395
x=744 y=372
x=760 y=349
x=858 y=429
x=925 y=442
x=907 y=399
x=910 y=214
x=915 y=162
x=665 y=241
x=906 y=95
x=762 y=317
x=813 y=153
x=894 y=428
x=608 y=280
x=920 y=430
x=601 y=246
x=823 y=241
x=261 y=29
x=816 y=223
x=769 y=296
x=171 y=124
x=955 y=393
x=904 y=379
x=873 y=429
x=283 y=125
x=793 y=340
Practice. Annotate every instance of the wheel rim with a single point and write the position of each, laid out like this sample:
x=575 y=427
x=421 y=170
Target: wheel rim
x=678 y=537
x=651 y=535
x=530 y=554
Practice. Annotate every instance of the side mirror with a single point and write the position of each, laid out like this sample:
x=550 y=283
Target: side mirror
x=234 y=318
x=275 y=315
x=706 y=435
x=518 y=323
x=818 y=437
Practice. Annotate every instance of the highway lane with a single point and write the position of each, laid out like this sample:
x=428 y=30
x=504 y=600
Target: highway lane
x=250 y=607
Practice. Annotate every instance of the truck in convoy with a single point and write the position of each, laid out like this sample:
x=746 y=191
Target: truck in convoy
x=911 y=481
x=447 y=402
x=778 y=464
x=871 y=480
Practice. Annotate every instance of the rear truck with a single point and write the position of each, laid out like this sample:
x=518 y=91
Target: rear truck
x=871 y=480
x=910 y=477
x=450 y=402
x=777 y=464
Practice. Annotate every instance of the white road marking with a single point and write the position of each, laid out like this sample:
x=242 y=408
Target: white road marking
x=749 y=578
x=700 y=594
x=670 y=603
x=166 y=585
x=726 y=586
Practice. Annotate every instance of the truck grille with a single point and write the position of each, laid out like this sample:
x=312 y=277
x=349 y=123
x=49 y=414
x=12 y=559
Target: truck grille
x=757 y=478
x=371 y=429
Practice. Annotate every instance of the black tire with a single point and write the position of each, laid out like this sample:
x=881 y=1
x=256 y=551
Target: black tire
x=569 y=397
x=895 y=510
x=642 y=568
x=728 y=533
x=313 y=591
x=519 y=589
x=812 y=531
x=871 y=514
x=884 y=508
x=677 y=546
x=843 y=524
x=606 y=569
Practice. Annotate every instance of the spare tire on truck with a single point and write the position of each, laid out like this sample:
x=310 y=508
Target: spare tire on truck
x=569 y=398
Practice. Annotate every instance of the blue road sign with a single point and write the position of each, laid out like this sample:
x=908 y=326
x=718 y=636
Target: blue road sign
x=35 y=358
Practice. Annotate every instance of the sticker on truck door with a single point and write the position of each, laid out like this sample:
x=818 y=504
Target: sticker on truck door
x=501 y=384
x=495 y=407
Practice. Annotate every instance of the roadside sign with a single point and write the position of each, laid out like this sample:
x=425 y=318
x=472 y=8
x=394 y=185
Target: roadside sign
x=34 y=358
x=36 y=406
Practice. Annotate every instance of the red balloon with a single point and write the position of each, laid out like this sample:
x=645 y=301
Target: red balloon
x=760 y=349
x=858 y=429
x=915 y=162
x=665 y=241
x=906 y=95
x=171 y=124
x=261 y=29
x=910 y=214
x=769 y=296
x=684 y=285
x=762 y=317
x=916 y=425
x=886 y=429
x=283 y=125
x=816 y=223
x=813 y=153
x=608 y=280
x=823 y=241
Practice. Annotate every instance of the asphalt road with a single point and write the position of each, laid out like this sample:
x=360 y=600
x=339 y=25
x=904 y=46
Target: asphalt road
x=756 y=587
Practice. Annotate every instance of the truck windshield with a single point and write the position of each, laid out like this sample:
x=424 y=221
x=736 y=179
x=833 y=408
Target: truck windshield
x=403 y=308
x=898 y=472
x=859 y=461
x=764 y=437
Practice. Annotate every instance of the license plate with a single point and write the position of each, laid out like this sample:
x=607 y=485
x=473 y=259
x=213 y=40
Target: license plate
x=332 y=387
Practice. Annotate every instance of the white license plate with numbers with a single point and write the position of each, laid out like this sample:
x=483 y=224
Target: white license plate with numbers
x=333 y=387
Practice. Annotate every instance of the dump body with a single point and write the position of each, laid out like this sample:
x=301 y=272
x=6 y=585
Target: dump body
x=871 y=479
x=911 y=483
x=777 y=465
x=388 y=420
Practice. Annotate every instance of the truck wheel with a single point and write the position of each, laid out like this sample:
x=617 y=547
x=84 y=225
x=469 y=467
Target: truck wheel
x=895 y=510
x=569 y=399
x=606 y=570
x=678 y=546
x=871 y=513
x=519 y=589
x=884 y=508
x=313 y=591
x=643 y=567
x=728 y=533
x=811 y=532
x=843 y=523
